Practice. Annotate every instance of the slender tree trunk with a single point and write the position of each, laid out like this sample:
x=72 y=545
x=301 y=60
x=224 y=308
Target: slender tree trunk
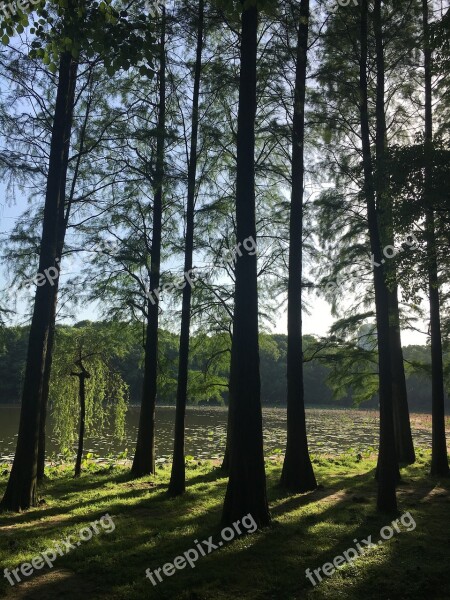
x=144 y=458
x=439 y=457
x=387 y=460
x=177 y=483
x=21 y=489
x=297 y=474
x=82 y=397
x=402 y=427
x=246 y=490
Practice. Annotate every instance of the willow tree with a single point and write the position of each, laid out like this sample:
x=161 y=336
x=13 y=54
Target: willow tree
x=88 y=395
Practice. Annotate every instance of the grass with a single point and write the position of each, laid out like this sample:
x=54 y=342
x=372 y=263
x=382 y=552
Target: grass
x=308 y=530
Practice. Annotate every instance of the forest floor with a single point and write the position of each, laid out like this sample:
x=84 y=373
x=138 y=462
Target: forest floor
x=308 y=530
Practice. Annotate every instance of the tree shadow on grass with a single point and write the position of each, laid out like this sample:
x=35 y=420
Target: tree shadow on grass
x=310 y=530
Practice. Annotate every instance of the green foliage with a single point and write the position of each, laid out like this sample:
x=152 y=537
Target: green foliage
x=89 y=31
x=106 y=391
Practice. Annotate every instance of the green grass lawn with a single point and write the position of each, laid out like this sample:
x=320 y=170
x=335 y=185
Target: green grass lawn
x=308 y=530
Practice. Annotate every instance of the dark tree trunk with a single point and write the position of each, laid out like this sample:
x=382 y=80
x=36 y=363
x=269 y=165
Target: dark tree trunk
x=21 y=489
x=144 y=458
x=297 y=474
x=246 y=490
x=402 y=427
x=439 y=457
x=177 y=483
x=225 y=466
x=388 y=474
x=63 y=219
x=82 y=397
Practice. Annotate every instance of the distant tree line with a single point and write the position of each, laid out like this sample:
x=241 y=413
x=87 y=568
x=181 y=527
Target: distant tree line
x=209 y=373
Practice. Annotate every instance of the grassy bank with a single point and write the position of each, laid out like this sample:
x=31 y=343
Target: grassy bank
x=308 y=530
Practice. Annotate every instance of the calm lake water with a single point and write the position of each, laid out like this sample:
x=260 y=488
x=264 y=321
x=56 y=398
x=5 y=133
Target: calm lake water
x=331 y=431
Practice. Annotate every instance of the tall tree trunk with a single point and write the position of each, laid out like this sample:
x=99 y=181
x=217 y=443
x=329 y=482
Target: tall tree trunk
x=297 y=474
x=21 y=489
x=177 y=483
x=387 y=460
x=402 y=426
x=63 y=219
x=246 y=490
x=144 y=458
x=439 y=458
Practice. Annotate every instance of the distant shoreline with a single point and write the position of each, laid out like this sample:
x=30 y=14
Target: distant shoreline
x=280 y=406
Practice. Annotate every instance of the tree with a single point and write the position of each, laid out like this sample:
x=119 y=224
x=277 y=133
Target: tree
x=20 y=493
x=177 y=479
x=246 y=490
x=387 y=472
x=297 y=474
x=95 y=394
x=439 y=458
x=341 y=214
x=144 y=458
x=402 y=427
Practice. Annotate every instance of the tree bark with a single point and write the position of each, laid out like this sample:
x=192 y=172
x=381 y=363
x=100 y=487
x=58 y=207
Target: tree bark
x=402 y=426
x=177 y=483
x=297 y=474
x=21 y=489
x=246 y=490
x=439 y=457
x=144 y=458
x=388 y=473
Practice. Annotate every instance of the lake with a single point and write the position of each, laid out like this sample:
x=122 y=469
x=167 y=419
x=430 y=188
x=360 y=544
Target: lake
x=330 y=431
